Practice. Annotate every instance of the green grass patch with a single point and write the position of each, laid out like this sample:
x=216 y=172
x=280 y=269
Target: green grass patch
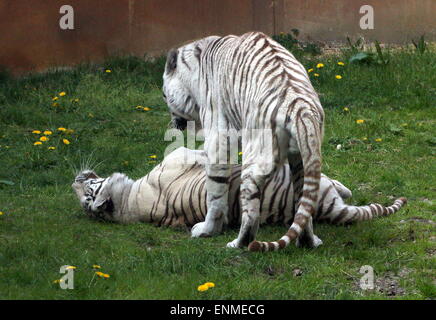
x=390 y=154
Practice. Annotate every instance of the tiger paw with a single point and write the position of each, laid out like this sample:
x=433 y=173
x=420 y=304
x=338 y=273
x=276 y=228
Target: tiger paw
x=306 y=242
x=198 y=230
x=234 y=244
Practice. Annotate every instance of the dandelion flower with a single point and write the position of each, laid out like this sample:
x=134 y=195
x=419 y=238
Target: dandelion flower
x=96 y=266
x=62 y=129
x=43 y=138
x=346 y=109
x=51 y=148
x=210 y=284
x=320 y=65
x=36 y=132
x=108 y=71
x=139 y=107
x=341 y=63
x=57 y=281
x=55 y=98
x=378 y=140
x=99 y=273
x=47 y=132
x=365 y=139
x=1 y=213
x=66 y=141
x=316 y=74
x=310 y=70
x=63 y=93
x=153 y=156
x=339 y=77
x=105 y=275
x=37 y=143
x=71 y=267
x=360 y=121
x=146 y=109
x=240 y=153
x=203 y=287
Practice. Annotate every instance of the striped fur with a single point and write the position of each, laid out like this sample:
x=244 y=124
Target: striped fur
x=245 y=83
x=174 y=194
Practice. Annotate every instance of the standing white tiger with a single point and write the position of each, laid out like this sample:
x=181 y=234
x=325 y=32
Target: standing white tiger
x=245 y=83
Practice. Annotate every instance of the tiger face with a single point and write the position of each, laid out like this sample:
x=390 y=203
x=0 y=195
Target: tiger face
x=181 y=82
x=92 y=194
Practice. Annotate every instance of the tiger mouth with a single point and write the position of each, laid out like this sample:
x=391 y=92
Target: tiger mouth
x=179 y=123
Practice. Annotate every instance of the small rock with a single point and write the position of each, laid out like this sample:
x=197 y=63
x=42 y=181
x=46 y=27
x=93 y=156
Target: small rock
x=297 y=272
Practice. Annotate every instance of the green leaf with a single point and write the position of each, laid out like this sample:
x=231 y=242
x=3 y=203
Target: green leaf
x=360 y=57
x=7 y=182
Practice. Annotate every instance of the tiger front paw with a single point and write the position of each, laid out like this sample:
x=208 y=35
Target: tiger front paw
x=199 y=230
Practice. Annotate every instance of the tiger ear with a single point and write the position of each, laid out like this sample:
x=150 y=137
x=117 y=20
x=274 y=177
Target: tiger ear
x=171 y=63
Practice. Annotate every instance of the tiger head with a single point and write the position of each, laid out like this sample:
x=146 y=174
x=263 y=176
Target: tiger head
x=181 y=82
x=93 y=194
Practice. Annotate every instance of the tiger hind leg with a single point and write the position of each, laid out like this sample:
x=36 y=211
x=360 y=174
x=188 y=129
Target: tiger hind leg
x=306 y=238
x=251 y=187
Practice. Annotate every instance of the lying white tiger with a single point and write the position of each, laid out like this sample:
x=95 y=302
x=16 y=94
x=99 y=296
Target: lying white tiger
x=174 y=194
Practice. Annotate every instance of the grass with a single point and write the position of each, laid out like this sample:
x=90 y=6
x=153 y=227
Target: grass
x=43 y=226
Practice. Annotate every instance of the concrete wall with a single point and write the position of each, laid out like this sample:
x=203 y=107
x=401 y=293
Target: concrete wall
x=31 y=39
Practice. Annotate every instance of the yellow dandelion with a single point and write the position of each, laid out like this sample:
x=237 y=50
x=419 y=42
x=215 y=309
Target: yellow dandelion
x=47 y=132
x=240 y=153
x=57 y=281
x=96 y=266
x=37 y=143
x=105 y=275
x=36 y=132
x=63 y=93
x=320 y=65
x=71 y=267
x=51 y=148
x=55 y=98
x=139 y=107
x=339 y=77
x=346 y=109
x=55 y=104
x=210 y=284
x=1 y=213
x=146 y=109
x=365 y=139
x=153 y=156
x=378 y=140
x=62 y=129
x=316 y=74
x=99 y=273
x=310 y=70
x=203 y=287
x=360 y=121
x=341 y=63
x=43 y=138
x=65 y=141
x=108 y=71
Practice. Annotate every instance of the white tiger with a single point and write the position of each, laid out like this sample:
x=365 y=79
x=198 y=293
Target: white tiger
x=246 y=83
x=174 y=194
